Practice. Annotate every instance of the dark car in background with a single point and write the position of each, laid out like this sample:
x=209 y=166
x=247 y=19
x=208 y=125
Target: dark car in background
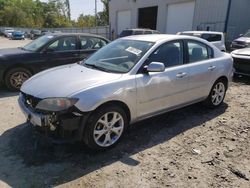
x=242 y=42
x=137 y=31
x=242 y=61
x=34 y=34
x=18 y=35
x=18 y=64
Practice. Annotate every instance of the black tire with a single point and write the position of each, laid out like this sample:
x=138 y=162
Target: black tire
x=88 y=135
x=9 y=78
x=210 y=101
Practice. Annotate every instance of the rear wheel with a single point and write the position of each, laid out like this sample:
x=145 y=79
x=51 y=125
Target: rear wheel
x=105 y=128
x=15 y=77
x=217 y=94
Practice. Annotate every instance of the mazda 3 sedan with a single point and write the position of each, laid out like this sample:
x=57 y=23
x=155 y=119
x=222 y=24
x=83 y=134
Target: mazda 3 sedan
x=130 y=79
x=18 y=64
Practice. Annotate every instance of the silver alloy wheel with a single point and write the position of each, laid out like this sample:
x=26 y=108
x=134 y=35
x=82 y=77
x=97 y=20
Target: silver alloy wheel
x=108 y=129
x=218 y=93
x=18 y=78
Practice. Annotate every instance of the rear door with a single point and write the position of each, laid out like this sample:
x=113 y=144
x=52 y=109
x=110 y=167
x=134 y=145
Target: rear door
x=201 y=64
x=161 y=90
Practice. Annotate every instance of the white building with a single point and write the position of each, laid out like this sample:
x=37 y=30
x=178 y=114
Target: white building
x=172 y=16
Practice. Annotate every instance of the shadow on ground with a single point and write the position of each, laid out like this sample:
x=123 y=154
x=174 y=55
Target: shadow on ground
x=28 y=161
x=242 y=79
x=4 y=92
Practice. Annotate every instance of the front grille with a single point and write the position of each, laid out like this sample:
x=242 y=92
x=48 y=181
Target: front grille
x=242 y=65
x=30 y=101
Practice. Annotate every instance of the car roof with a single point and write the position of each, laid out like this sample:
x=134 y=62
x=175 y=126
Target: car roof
x=159 y=37
x=202 y=32
x=139 y=29
x=76 y=34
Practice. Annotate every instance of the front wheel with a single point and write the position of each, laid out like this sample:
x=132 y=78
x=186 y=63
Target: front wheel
x=217 y=94
x=105 y=128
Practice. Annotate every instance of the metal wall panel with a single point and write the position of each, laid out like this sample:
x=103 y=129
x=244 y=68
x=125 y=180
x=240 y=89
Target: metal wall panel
x=210 y=14
x=239 y=18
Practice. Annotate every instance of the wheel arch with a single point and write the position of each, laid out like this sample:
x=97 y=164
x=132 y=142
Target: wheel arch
x=224 y=79
x=15 y=66
x=121 y=104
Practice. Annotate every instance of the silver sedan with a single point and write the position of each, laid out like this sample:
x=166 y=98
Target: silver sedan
x=131 y=79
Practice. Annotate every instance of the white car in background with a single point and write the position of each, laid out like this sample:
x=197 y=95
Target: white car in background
x=216 y=38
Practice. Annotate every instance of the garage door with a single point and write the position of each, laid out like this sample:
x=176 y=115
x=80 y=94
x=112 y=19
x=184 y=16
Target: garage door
x=180 y=17
x=123 y=20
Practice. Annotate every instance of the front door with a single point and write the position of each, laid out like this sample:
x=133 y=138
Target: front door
x=62 y=51
x=162 y=90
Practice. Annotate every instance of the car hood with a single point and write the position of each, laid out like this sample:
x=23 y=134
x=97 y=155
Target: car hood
x=12 y=51
x=65 y=80
x=243 y=39
x=244 y=51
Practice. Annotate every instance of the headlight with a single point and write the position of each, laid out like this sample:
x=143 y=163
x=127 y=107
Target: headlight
x=56 y=104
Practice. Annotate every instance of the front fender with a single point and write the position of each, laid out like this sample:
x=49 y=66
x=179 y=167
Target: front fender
x=123 y=90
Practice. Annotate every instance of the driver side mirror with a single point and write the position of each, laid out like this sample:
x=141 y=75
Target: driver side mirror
x=155 y=67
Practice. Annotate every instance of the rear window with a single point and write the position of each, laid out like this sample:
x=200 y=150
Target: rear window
x=211 y=37
x=148 y=32
x=138 y=32
x=125 y=33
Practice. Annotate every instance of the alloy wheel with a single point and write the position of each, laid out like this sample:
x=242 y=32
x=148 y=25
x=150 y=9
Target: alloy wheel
x=108 y=129
x=218 y=93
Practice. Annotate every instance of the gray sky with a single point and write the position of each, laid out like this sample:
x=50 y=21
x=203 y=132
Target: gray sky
x=83 y=6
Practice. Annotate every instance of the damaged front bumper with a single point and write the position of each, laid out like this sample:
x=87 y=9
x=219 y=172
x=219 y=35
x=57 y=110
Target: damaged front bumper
x=59 y=127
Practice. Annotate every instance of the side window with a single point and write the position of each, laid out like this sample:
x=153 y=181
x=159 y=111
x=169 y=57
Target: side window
x=171 y=54
x=211 y=37
x=63 y=44
x=197 y=51
x=91 y=43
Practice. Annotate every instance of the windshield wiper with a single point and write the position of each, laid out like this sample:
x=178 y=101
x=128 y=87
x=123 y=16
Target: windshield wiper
x=97 y=67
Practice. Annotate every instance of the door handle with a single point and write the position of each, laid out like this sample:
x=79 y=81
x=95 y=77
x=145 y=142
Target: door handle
x=75 y=54
x=181 y=75
x=211 y=68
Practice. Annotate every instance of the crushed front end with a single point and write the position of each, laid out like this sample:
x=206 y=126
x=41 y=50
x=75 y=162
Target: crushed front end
x=59 y=124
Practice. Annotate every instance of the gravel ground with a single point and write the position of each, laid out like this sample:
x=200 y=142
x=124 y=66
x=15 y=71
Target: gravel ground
x=190 y=147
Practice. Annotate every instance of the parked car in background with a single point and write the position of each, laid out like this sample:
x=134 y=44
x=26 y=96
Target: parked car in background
x=242 y=42
x=138 y=31
x=18 y=64
x=242 y=61
x=18 y=35
x=130 y=79
x=8 y=32
x=34 y=34
x=216 y=38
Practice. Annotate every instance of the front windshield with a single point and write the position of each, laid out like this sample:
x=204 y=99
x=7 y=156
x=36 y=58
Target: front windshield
x=247 y=34
x=119 y=56
x=38 y=43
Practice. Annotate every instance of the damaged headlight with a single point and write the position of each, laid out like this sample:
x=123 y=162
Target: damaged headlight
x=56 y=104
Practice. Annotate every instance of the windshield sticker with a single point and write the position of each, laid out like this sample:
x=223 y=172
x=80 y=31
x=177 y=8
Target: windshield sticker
x=134 y=50
x=50 y=37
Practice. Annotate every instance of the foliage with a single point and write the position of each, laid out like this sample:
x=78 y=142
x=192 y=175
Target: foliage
x=53 y=13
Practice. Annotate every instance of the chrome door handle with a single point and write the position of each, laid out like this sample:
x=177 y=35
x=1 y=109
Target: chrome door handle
x=211 y=68
x=181 y=75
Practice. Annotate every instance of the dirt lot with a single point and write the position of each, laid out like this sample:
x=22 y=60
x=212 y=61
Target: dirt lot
x=190 y=147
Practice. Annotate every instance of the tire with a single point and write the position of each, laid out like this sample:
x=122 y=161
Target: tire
x=107 y=134
x=217 y=94
x=15 y=77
